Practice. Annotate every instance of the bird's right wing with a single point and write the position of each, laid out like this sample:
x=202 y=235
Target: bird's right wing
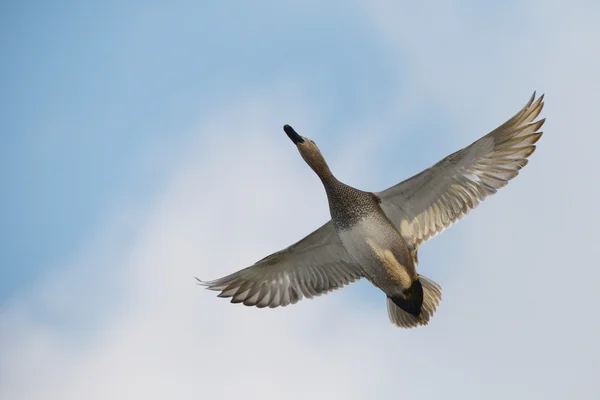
x=315 y=265
x=429 y=202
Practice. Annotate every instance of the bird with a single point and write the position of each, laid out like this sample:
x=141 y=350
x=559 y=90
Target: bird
x=376 y=235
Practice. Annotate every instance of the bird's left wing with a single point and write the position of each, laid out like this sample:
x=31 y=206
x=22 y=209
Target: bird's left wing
x=429 y=202
x=315 y=265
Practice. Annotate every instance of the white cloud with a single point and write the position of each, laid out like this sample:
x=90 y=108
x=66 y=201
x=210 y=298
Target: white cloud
x=163 y=336
x=518 y=273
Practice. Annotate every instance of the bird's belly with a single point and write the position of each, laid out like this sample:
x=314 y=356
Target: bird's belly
x=356 y=242
x=380 y=252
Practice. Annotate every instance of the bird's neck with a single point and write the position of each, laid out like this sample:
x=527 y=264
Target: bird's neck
x=323 y=172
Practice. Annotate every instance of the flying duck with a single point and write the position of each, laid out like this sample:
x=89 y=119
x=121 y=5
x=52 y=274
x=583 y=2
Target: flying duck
x=376 y=235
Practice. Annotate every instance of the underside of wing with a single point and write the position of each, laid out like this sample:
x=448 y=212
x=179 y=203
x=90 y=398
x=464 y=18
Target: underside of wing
x=429 y=202
x=315 y=265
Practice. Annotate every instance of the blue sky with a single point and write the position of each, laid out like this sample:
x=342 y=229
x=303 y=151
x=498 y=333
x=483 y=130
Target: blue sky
x=88 y=89
x=141 y=145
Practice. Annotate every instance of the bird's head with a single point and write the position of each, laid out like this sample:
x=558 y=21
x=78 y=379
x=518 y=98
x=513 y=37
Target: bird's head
x=309 y=152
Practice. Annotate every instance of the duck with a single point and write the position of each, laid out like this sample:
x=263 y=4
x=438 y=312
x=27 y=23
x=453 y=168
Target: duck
x=377 y=235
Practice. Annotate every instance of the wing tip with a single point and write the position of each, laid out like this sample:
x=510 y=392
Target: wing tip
x=534 y=103
x=210 y=285
x=200 y=282
x=533 y=96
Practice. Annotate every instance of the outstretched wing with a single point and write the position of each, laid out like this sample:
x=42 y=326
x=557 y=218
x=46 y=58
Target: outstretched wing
x=315 y=265
x=431 y=201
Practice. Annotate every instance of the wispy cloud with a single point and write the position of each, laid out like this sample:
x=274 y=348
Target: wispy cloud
x=120 y=318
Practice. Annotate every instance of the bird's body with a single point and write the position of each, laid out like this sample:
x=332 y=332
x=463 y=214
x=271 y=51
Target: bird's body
x=366 y=234
x=376 y=235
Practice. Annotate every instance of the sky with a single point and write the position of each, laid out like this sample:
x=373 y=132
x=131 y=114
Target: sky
x=141 y=145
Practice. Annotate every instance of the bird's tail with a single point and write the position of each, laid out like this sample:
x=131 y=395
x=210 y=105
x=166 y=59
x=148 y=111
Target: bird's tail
x=432 y=296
